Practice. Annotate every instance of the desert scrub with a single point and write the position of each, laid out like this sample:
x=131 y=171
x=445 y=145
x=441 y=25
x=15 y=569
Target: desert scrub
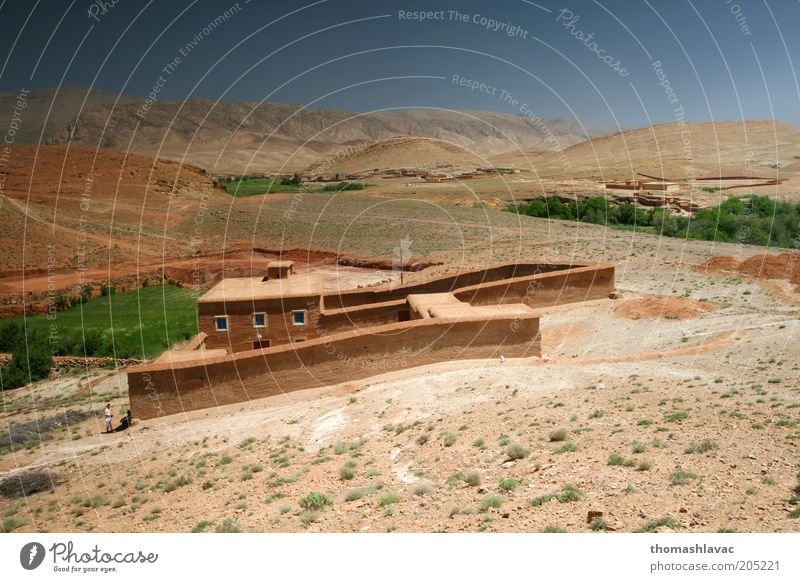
x=246 y=442
x=422 y=489
x=676 y=416
x=568 y=494
x=202 y=526
x=701 y=447
x=568 y=447
x=448 y=439
x=314 y=501
x=490 y=502
x=598 y=524
x=515 y=451
x=508 y=484
x=638 y=447
x=348 y=471
x=617 y=460
x=654 y=525
x=356 y=494
x=558 y=436
x=228 y=526
x=681 y=477
x=389 y=499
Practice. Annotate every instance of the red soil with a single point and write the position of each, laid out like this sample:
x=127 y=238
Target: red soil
x=662 y=308
x=783 y=266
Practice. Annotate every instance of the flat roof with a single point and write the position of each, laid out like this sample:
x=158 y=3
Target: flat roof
x=486 y=311
x=279 y=264
x=254 y=288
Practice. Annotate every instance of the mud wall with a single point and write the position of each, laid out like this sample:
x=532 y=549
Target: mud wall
x=162 y=389
x=544 y=289
x=441 y=285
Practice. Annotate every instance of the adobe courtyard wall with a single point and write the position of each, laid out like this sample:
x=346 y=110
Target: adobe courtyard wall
x=160 y=389
x=584 y=283
x=446 y=284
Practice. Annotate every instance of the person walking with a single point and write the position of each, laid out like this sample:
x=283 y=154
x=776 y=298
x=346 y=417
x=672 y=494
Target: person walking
x=108 y=417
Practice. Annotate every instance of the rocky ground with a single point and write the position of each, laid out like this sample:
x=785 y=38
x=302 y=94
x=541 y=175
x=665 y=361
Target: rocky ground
x=674 y=407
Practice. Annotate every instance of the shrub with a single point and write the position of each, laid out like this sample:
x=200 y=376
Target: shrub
x=448 y=439
x=28 y=483
x=490 y=502
x=228 y=526
x=569 y=494
x=681 y=477
x=598 y=524
x=644 y=465
x=508 y=484
x=553 y=529
x=355 y=494
x=597 y=414
x=617 y=460
x=516 y=451
x=568 y=447
x=12 y=523
x=422 y=439
x=638 y=447
x=314 y=501
x=422 y=489
x=676 y=416
x=346 y=473
x=654 y=525
x=473 y=478
x=558 y=435
x=389 y=499
x=202 y=526
x=701 y=447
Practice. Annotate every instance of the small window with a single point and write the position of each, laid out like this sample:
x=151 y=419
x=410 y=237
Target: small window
x=259 y=320
x=299 y=317
x=221 y=322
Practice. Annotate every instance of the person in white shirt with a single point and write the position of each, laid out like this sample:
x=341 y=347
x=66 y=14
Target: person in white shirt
x=108 y=417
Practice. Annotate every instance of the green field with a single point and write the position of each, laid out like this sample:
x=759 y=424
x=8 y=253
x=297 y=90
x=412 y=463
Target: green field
x=254 y=186
x=135 y=324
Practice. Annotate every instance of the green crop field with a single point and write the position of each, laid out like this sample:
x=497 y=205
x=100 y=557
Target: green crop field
x=254 y=186
x=135 y=324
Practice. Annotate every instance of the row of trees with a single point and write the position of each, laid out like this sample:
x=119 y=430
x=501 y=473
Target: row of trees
x=31 y=358
x=757 y=220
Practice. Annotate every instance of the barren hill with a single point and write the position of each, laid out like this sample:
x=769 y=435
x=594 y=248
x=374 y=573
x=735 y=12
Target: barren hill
x=674 y=150
x=237 y=137
x=401 y=152
x=80 y=208
x=47 y=111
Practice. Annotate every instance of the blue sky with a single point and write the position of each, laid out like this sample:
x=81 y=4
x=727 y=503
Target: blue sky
x=721 y=60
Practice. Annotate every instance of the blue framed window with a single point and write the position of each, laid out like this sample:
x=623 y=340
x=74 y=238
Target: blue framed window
x=259 y=320
x=299 y=317
x=221 y=322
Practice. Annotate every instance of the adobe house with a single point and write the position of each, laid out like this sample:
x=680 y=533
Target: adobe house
x=249 y=313
x=269 y=335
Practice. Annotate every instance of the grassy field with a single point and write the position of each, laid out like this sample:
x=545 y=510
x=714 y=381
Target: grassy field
x=255 y=186
x=135 y=324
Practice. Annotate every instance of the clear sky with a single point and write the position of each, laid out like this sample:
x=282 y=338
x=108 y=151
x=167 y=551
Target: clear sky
x=588 y=60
